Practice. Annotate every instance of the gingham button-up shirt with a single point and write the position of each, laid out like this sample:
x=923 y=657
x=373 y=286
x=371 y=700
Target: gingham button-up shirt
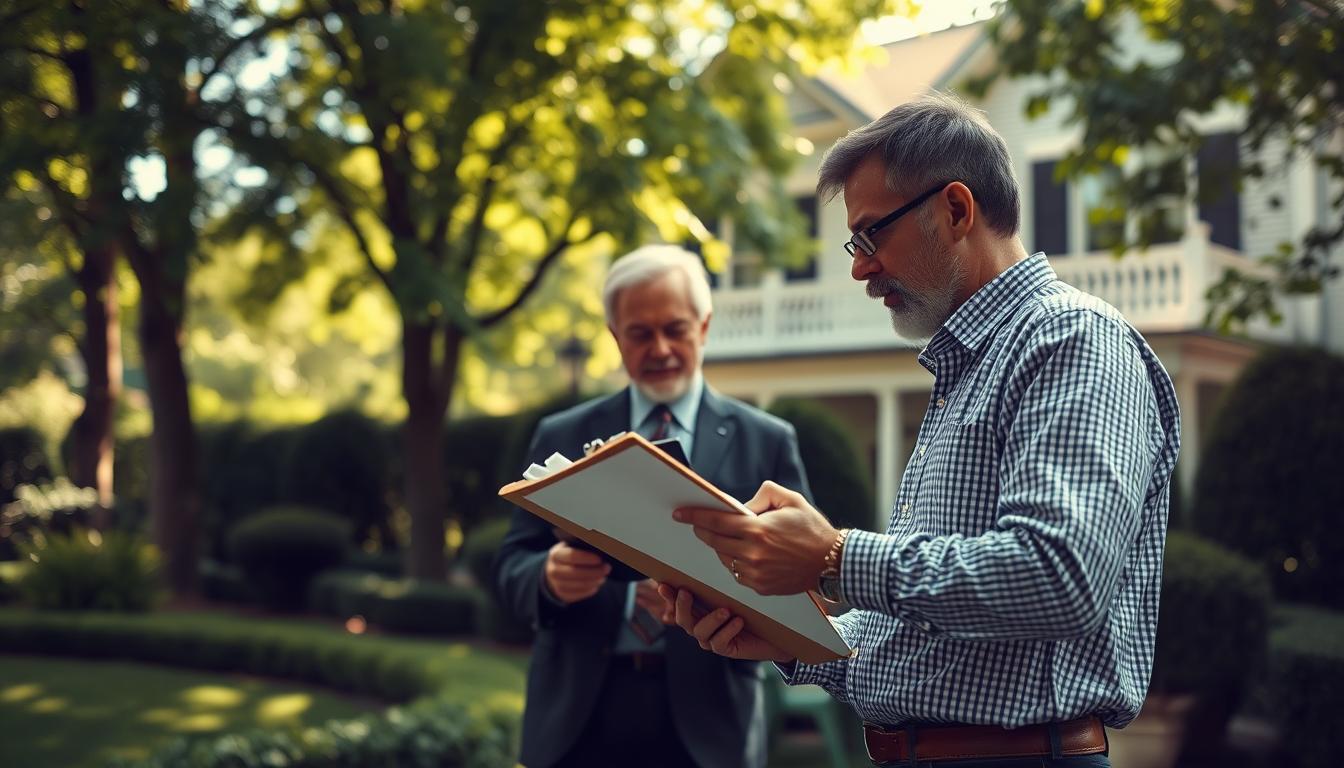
x=1018 y=580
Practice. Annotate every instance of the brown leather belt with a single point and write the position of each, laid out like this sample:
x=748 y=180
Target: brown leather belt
x=1084 y=736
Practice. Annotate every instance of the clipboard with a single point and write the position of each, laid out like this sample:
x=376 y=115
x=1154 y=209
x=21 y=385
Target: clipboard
x=620 y=499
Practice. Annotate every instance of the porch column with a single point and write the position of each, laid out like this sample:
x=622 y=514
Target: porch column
x=890 y=453
x=1187 y=396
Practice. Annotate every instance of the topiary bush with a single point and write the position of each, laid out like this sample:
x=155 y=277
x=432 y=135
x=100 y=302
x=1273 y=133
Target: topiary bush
x=1269 y=483
x=841 y=488
x=87 y=570
x=281 y=549
x=339 y=463
x=1211 y=632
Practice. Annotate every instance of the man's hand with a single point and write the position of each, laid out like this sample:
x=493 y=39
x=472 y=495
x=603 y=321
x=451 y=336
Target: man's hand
x=574 y=574
x=647 y=597
x=780 y=550
x=719 y=631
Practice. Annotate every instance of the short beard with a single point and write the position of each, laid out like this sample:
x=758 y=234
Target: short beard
x=921 y=315
x=669 y=392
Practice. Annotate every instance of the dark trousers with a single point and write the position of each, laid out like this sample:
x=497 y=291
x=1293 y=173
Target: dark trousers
x=631 y=724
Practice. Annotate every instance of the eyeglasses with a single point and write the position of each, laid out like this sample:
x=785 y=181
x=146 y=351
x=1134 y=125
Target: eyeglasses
x=863 y=239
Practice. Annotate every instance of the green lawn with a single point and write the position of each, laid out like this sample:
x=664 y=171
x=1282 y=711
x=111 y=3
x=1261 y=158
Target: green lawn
x=64 y=712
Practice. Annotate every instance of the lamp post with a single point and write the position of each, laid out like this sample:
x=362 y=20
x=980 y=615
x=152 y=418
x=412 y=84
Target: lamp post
x=575 y=353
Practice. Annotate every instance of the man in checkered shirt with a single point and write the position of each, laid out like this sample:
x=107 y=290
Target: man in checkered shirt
x=1010 y=608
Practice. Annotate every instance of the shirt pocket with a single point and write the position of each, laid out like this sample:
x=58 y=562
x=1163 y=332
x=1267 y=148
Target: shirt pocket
x=960 y=488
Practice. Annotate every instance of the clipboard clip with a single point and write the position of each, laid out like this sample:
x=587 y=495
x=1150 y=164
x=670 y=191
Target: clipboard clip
x=590 y=447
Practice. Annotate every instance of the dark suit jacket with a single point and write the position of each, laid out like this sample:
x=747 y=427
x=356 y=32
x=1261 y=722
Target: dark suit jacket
x=717 y=703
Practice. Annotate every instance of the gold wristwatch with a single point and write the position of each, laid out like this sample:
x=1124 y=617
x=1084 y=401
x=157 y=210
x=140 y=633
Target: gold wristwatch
x=828 y=584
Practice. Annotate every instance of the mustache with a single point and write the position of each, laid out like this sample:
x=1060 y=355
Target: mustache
x=878 y=287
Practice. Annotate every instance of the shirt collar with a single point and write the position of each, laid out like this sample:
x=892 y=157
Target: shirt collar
x=988 y=308
x=684 y=409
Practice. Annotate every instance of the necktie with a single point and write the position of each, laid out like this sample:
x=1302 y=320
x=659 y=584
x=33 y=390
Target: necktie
x=645 y=626
x=661 y=416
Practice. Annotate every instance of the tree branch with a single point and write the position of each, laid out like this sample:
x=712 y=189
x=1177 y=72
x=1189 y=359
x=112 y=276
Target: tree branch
x=237 y=43
x=477 y=226
x=347 y=214
x=561 y=244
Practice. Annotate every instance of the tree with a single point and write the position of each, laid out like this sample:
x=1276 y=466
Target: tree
x=1281 y=61
x=59 y=99
x=93 y=89
x=469 y=147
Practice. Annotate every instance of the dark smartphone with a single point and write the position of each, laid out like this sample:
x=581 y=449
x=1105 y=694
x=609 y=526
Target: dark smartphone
x=619 y=571
x=672 y=447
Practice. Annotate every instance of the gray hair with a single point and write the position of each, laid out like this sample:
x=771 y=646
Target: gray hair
x=651 y=262
x=934 y=139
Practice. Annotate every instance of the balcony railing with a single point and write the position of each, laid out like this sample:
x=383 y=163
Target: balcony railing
x=1160 y=290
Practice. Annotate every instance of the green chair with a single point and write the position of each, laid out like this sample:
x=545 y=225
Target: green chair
x=809 y=701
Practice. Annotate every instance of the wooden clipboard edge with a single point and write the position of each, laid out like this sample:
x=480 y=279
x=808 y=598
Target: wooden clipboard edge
x=802 y=647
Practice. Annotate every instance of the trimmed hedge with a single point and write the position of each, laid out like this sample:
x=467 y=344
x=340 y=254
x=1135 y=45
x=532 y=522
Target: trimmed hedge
x=1230 y=596
x=1269 y=483
x=1306 y=671
x=397 y=605
x=423 y=735
x=841 y=487
x=478 y=552
x=471 y=719
x=339 y=463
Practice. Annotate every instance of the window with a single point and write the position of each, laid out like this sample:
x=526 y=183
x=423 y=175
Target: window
x=1218 y=165
x=1049 y=210
x=807 y=206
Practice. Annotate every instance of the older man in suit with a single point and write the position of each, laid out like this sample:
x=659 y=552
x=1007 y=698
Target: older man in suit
x=606 y=686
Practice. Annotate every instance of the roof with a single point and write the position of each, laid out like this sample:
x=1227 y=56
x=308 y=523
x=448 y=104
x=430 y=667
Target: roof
x=913 y=66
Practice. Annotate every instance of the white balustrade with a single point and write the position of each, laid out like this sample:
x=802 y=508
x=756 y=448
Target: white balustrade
x=1159 y=290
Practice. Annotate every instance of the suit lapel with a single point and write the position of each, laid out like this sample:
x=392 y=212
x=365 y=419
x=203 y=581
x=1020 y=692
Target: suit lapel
x=714 y=431
x=608 y=418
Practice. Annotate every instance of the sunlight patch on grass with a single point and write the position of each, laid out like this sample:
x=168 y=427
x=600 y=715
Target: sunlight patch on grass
x=213 y=697
x=201 y=722
x=49 y=705
x=277 y=709
x=16 y=693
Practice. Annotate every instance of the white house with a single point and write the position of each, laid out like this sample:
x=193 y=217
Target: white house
x=811 y=332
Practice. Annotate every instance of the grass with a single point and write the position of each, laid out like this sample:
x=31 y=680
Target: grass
x=63 y=712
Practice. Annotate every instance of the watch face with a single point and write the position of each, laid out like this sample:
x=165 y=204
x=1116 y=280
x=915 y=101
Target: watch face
x=829 y=587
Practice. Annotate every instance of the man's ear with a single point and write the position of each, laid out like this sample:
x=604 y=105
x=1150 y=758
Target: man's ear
x=704 y=325
x=960 y=210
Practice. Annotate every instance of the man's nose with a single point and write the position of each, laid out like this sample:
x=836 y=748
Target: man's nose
x=661 y=347
x=863 y=266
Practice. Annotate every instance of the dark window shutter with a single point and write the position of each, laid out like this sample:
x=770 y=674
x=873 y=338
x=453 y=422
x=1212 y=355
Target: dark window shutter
x=1219 y=165
x=1049 y=210
x=808 y=207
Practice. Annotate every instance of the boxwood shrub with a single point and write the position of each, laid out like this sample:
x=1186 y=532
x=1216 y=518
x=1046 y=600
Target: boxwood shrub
x=397 y=605
x=1306 y=674
x=281 y=549
x=466 y=711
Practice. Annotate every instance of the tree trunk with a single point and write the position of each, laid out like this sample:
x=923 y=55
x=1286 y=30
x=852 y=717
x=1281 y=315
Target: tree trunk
x=96 y=102
x=427 y=393
x=92 y=452
x=174 y=501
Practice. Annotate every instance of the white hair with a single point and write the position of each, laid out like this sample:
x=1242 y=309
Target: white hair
x=651 y=262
